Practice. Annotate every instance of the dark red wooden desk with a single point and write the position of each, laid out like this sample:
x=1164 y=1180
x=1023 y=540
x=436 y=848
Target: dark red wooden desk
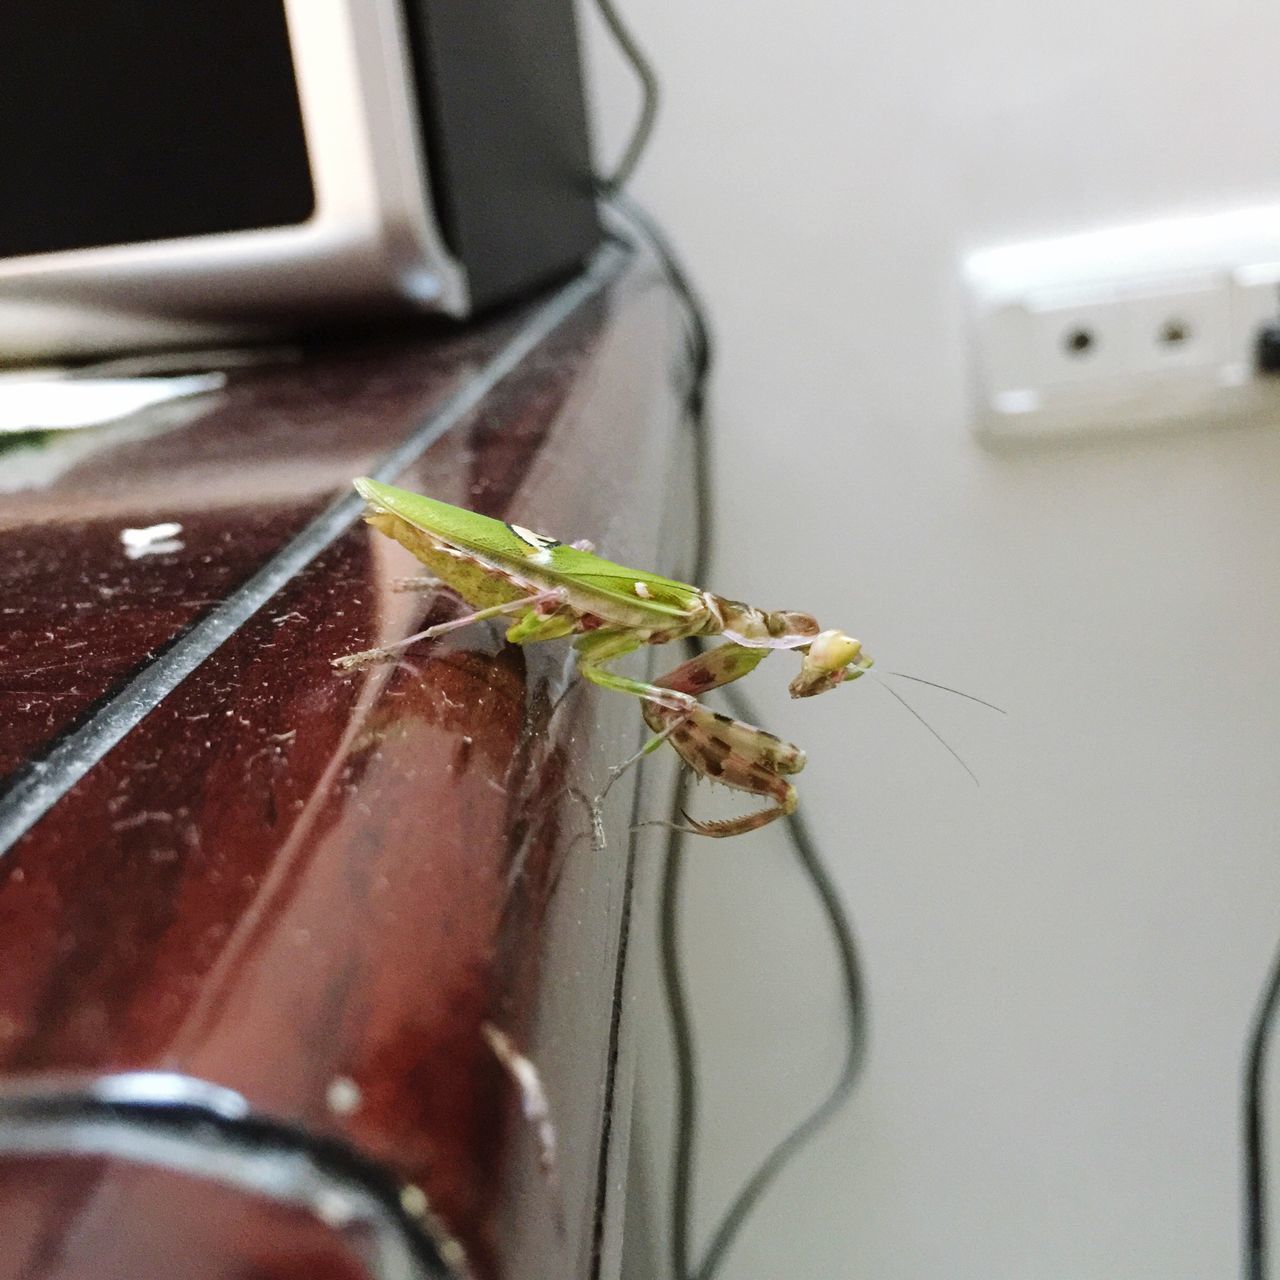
x=226 y=865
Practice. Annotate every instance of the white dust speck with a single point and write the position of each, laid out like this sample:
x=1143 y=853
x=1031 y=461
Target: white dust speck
x=343 y=1095
x=535 y=1107
x=154 y=540
x=413 y=1201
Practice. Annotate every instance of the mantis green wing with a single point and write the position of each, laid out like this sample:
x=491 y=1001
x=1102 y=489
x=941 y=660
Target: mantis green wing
x=531 y=556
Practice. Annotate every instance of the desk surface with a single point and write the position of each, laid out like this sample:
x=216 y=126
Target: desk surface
x=224 y=862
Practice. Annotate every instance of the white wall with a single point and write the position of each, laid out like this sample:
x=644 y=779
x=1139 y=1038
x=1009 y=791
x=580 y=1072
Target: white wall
x=1062 y=962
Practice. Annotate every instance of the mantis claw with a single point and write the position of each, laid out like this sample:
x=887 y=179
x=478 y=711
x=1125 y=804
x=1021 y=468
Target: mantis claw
x=365 y=658
x=748 y=822
x=597 y=825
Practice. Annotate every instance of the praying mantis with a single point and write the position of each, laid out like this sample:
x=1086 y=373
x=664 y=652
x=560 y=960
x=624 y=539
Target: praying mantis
x=553 y=590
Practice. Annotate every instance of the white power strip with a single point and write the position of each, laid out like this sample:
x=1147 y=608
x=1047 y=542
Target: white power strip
x=1132 y=327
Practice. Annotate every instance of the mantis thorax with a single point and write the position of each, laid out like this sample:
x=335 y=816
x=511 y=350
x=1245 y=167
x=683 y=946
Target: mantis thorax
x=777 y=629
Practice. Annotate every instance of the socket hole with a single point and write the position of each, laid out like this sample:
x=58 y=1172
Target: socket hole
x=1079 y=342
x=1173 y=333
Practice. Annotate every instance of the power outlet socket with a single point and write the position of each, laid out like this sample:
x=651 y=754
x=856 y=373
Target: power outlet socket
x=1129 y=328
x=1076 y=337
x=1184 y=328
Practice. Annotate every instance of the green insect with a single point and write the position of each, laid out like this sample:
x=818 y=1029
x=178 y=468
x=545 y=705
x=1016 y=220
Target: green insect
x=556 y=590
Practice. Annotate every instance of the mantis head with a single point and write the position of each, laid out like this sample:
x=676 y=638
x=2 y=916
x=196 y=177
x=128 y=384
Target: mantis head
x=830 y=659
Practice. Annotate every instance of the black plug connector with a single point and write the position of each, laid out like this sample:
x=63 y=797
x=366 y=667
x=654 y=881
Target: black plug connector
x=1266 y=350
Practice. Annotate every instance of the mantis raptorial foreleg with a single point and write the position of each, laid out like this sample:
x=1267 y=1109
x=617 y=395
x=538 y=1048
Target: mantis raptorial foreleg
x=723 y=749
x=716 y=667
x=600 y=647
x=715 y=746
x=708 y=671
x=534 y=605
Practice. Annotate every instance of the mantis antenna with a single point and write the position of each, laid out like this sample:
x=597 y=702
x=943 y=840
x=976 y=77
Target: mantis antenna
x=889 y=689
x=946 y=688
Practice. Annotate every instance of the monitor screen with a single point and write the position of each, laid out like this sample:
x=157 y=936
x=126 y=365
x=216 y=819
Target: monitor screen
x=142 y=120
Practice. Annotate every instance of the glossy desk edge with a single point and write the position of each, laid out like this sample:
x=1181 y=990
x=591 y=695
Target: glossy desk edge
x=236 y=867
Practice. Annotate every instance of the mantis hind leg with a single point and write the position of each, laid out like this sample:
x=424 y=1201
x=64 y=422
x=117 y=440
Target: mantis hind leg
x=536 y=608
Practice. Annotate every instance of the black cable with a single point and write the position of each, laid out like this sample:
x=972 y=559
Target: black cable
x=1254 y=1207
x=682 y=1045
x=649 y=95
x=701 y=353
x=686 y=1078
x=1255 y=1156
x=812 y=864
x=806 y=851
